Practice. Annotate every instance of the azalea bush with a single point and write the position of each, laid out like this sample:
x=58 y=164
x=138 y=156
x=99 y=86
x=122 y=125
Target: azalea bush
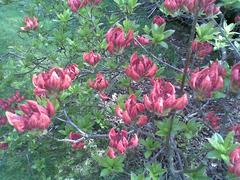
x=102 y=89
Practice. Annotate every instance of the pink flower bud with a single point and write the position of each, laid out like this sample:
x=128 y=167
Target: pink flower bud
x=116 y=39
x=18 y=122
x=74 y=5
x=3 y=146
x=140 y=67
x=206 y=84
x=142 y=120
x=119 y=111
x=207 y=80
x=26 y=108
x=132 y=111
x=162 y=98
x=142 y=40
x=91 y=58
x=158 y=105
x=172 y=5
x=236 y=130
x=208 y=6
x=54 y=80
x=120 y=147
x=234 y=156
x=235 y=78
x=181 y=102
x=99 y=84
x=78 y=145
x=38 y=121
x=202 y=49
x=213 y=119
x=3 y=121
x=104 y=96
x=126 y=118
x=148 y=103
x=30 y=24
x=50 y=109
x=34 y=116
x=237 y=19
x=133 y=141
x=158 y=20
x=72 y=70
x=111 y=153
x=119 y=141
x=191 y=5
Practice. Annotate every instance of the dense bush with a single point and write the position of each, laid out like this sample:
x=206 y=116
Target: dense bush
x=122 y=89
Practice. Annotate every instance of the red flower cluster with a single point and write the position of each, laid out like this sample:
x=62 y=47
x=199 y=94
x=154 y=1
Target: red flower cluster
x=236 y=130
x=207 y=80
x=119 y=142
x=3 y=146
x=158 y=20
x=213 y=119
x=235 y=162
x=207 y=6
x=116 y=39
x=140 y=67
x=202 y=49
x=235 y=77
x=33 y=116
x=78 y=145
x=3 y=120
x=30 y=24
x=99 y=84
x=91 y=58
x=72 y=70
x=132 y=112
x=10 y=104
x=173 y=5
x=76 y=4
x=237 y=19
x=162 y=98
x=142 y=40
x=54 y=80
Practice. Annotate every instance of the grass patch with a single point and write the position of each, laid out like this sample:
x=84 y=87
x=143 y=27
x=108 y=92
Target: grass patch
x=11 y=16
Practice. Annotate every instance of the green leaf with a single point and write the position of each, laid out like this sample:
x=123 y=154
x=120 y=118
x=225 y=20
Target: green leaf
x=164 y=44
x=198 y=175
x=225 y=158
x=147 y=154
x=219 y=95
x=213 y=155
x=105 y=172
x=206 y=32
x=132 y=4
x=146 y=29
x=229 y=140
x=168 y=33
x=155 y=170
x=191 y=128
x=137 y=177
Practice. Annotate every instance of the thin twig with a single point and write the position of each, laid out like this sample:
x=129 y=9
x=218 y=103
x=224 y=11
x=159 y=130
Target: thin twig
x=159 y=60
x=69 y=120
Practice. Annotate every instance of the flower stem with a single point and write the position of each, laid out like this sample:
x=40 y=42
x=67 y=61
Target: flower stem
x=189 y=53
x=169 y=147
